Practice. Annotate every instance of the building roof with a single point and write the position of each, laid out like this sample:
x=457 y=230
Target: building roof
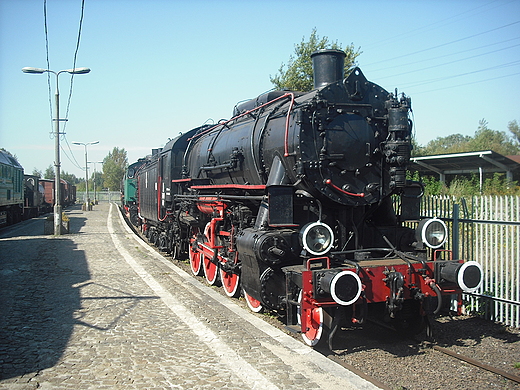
x=6 y=158
x=465 y=163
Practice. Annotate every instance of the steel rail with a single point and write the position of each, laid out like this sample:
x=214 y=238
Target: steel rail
x=476 y=363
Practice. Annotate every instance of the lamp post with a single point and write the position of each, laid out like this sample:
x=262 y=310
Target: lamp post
x=85 y=144
x=95 y=162
x=57 y=164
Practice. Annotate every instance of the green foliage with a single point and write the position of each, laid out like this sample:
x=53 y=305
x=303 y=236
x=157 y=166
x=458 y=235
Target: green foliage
x=514 y=128
x=484 y=139
x=432 y=186
x=416 y=148
x=297 y=74
x=462 y=186
x=114 y=166
x=70 y=177
x=97 y=178
x=81 y=185
x=454 y=143
x=499 y=185
x=49 y=172
x=497 y=141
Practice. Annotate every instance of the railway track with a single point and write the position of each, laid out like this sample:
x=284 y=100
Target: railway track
x=400 y=363
x=484 y=366
x=369 y=352
x=469 y=353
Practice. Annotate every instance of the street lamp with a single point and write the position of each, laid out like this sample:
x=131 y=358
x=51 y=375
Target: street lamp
x=95 y=162
x=85 y=144
x=57 y=164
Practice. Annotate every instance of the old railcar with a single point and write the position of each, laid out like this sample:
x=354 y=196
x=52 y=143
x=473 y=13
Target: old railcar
x=11 y=189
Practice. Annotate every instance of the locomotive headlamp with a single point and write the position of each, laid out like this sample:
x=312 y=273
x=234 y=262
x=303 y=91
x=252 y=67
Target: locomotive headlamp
x=432 y=232
x=317 y=238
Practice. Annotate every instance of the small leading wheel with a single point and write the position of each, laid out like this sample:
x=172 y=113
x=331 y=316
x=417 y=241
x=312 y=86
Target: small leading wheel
x=211 y=270
x=195 y=262
x=230 y=283
x=314 y=333
x=253 y=304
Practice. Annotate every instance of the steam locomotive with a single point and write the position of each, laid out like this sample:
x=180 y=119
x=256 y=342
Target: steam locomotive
x=301 y=203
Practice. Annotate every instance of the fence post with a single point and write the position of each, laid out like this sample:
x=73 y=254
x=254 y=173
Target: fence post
x=455 y=231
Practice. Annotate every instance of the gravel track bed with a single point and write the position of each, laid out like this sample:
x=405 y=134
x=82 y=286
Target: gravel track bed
x=403 y=363
x=412 y=364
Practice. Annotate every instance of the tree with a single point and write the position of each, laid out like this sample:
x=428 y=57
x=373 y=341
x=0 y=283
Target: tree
x=484 y=139
x=297 y=74
x=454 y=143
x=97 y=179
x=488 y=139
x=69 y=177
x=37 y=172
x=114 y=166
x=49 y=172
x=514 y=128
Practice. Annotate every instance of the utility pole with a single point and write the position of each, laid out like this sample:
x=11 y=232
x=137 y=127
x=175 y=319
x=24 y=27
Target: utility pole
x=57 y=163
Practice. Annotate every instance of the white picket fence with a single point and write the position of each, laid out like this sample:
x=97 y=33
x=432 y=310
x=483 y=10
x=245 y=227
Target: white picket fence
x=489 y=232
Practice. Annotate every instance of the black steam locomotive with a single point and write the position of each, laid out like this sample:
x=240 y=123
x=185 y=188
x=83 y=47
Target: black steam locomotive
x=299 y=202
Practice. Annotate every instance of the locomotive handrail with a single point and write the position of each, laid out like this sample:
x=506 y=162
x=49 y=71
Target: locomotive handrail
x=229 y=165
x=230 y=186
x=249 y=112
x=330 y=183
x=286 y=138
x=325 y=262
x=223 y=197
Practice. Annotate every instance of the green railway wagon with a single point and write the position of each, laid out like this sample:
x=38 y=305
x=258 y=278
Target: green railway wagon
x=11 y=189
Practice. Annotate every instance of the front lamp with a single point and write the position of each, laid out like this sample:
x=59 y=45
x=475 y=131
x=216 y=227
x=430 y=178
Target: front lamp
x=317 y=238
x=432 y=232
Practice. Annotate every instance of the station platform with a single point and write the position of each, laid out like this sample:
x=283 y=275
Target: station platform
x=99 y=309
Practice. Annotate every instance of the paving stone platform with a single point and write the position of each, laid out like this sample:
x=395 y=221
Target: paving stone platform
x=99 y=309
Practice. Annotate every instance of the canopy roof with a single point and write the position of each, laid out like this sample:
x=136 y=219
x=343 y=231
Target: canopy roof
x=464 y=163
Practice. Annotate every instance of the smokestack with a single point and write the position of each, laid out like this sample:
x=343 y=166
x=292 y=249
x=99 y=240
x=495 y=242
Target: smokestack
x=328 y=66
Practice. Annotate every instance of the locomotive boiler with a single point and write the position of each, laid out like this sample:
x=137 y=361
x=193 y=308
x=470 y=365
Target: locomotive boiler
x=300 y=202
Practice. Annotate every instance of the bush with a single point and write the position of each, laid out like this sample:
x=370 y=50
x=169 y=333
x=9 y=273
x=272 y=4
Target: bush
x=498 y=184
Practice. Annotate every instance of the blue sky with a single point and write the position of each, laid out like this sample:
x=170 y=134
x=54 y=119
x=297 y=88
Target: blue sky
x=161 y=67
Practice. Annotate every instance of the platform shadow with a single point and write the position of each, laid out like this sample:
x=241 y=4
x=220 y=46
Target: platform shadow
x=38 y=299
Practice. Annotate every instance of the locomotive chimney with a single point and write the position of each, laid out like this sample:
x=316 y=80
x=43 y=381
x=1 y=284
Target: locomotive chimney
x=328 y=66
